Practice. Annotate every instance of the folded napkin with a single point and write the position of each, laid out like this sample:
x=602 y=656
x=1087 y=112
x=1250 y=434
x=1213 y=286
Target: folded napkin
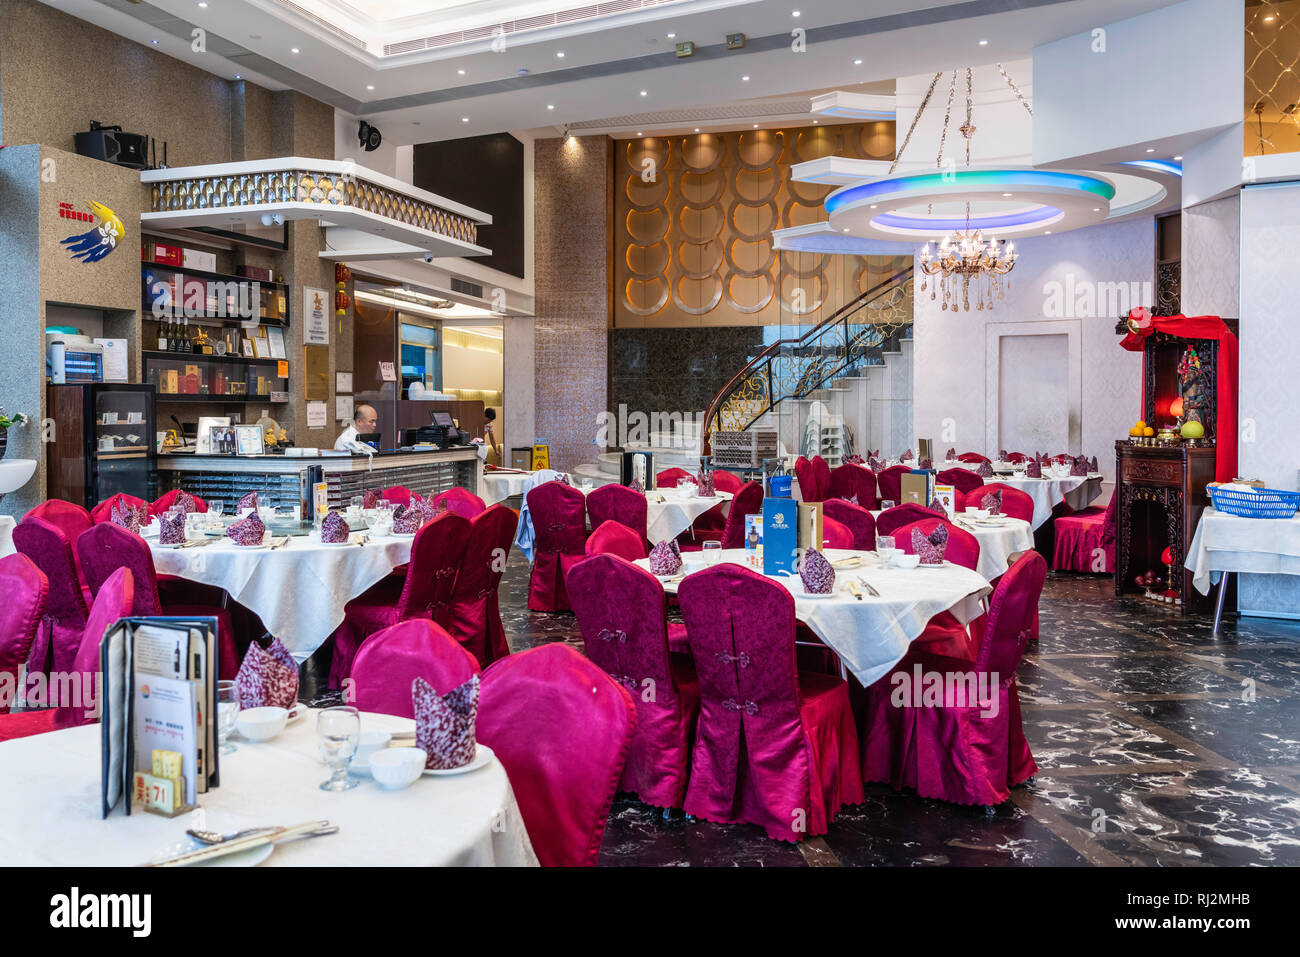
x=1079 y=466
x=171 y=529
x=665 y=559
x=407 y=521
x=875 y=465
x=984 y=470
x=1002 y=455
x=705 y=482
x=1092 y=464
x=372 y=498
x=267 y=678
x=184 y=500
x=440 y=506
x=1034 y=470
x=636 y=486
x=906 y=456
x=930 y=547
x=334 y=529
x=816 y=572
x=993 y=502
x=423 y=507
x=925 y=464
x=937 y=506
x=128 y=516
x=444 y=724
x=853 y=500
x=248 y=501
x=247 y=531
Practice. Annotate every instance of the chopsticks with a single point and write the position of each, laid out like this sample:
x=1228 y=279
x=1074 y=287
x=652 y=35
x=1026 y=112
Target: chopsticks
x=245 y=843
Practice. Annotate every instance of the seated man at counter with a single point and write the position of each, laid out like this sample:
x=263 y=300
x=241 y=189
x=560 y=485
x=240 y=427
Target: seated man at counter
x=364 y=421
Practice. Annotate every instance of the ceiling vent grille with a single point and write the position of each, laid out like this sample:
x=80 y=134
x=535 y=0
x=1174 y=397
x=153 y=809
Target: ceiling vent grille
x=322 y=23
x=466 y=288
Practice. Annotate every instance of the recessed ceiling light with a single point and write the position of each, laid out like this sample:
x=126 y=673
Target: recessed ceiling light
x=155 y=43
x=672 y=36
x=745 y=78
x=697 y=129
x=984 y=43
x=1048 y=233
x=370 y=86
x=1006 y=194
x=1267 y=19
x=755 y=126
x=464 y=119
x=460 y=72
x=1151 y=149
x=560 y=54
x=203 y=4
x=857 y=63
x=815 y=122
x=794 y=13
x=638 y=133
x=293 y=50
x=238 y=77
x=643 y=93
x=1096 y=209
x=1179 y=158
x=550 y=106
x=874 y=205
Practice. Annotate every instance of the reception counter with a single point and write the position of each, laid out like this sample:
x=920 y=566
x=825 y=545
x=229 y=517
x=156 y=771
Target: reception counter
x=287 y=480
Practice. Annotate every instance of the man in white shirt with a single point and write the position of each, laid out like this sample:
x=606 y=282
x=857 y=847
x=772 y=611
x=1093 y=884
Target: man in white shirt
x=364 y=421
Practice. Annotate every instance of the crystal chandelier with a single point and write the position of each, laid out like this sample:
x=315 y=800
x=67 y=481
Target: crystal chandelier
x=963 y=257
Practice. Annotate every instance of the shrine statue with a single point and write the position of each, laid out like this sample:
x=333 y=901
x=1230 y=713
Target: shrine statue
x=1192 y=387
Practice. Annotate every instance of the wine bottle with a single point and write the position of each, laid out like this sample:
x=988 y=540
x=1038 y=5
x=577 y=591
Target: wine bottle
x=172 y=343
x=162 y=336
x=185 y=335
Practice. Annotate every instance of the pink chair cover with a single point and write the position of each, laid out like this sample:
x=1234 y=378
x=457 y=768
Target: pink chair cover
x=115 y=599
x=621 y=614
x=1017 y=457
x=617 y=503
x=1085 y=536
x=612 y=538
x=851 y=479
x=1016 y=503
x=63 y=621
x=972 y=457
x=475 y=619
x=461 y=501
x=963 y=547
x=559 y=514
x=164 y=502
x=423 y=592
x=823 y=472
x=69 y=518
x=747 y=501
x=888 y=483
x=398 y=495
x=809 y=483
x=103 y=512
x=860 y=522
x=391 y=659
x=892 y=519
x=563 y=729
x=725 y=481
x=107 y=547
x=670 y=477
x=835 y=534
x=944 y=634
x=774 y=747
x=962 y=480
x=26 y=591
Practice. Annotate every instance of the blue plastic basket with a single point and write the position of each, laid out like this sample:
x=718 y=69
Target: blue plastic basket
x=1262 y=503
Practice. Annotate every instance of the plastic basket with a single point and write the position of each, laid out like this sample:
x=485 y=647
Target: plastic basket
x=1262 y=503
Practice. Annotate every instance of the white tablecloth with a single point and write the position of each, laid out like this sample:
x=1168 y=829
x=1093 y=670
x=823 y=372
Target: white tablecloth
x=298 y=590
x=1047 y=493
x=498 y=486
x=7 y=524
x=1230 y=543
x=667 y=519
x=872 y=635
x=997 y=542
x=54 y=817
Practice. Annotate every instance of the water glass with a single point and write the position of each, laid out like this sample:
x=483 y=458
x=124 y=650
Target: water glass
x=885 y=548
x=684 y=487
x=227 y=714
x=338 y=731
x=586 y=485
x=712 y=552
x=886 y=503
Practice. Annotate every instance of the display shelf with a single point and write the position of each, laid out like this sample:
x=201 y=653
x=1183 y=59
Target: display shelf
x=226 y=399
x=205 y=274
x=205 y=357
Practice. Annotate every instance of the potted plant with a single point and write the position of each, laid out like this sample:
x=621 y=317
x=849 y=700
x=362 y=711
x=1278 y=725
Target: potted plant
x=18 y=418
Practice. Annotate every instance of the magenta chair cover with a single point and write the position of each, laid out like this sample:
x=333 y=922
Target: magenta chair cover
x=1017 y=457
x=774 y=746
x=963 y=547
x=1016 y=503
x=475 y=619
x=892 y=519
x=559 y=514
x=888 y=482
x=823 y=472
x=26 y=591
x=748 y=501
x=963 y=480
x=809 y=486
x=398 y=495
x=670 y=477
x=68 y=517
x=851 y=479
x=836 y=534
x=107 y=547
x=1084 y=537
x=944 y=634
x=621 y=614
x=423 y=592
x=63 y=621
x=391 y=659
x=164 y=502
x=725 y=481
x=562 y=729
x=617 y=503
x=612 y=538
x=973 y=457
x=103 y=512
x=860 y=522
x=461 y=501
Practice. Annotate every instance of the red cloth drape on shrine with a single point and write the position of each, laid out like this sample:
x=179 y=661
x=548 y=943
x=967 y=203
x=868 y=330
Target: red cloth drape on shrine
x=1225 y=376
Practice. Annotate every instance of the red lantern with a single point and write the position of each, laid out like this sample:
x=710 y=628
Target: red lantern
x=1167 y=556
x=341 y=302
x=342 y=275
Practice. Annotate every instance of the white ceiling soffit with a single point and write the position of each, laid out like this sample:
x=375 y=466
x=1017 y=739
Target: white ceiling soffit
x=854 y=106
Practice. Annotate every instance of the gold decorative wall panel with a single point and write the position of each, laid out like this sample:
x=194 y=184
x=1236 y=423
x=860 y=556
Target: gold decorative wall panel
x=1272 y=83
x=693 y=222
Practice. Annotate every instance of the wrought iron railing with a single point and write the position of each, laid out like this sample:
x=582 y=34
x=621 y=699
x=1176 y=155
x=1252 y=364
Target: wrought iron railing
x=851 y=337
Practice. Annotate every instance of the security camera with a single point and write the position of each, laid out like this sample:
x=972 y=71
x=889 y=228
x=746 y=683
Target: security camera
x=369 y=136
x=428 y=257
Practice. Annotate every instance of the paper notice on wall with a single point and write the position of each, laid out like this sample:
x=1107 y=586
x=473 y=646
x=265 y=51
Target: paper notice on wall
x=343 y=408
x=316 y=320
x=343 y=382
x=387 y=372
x=317 y=415
x=115 y=359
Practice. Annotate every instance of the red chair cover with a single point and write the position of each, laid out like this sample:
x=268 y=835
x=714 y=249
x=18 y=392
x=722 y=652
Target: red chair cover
x=962 y=480
x=835 y=534
x=613 y=538
x=617 y=503
x=26 y=591
x=860 y=522
x=1017 y=457
x=889 y=481
x=423 y=592
x=559 y=515
x=69 y=518
x=398 y=495
x=1085 y=540
x=748 y=501
x=475 y=619
x=391 y=659
x=944 y=634
x=972 y=457
x=563 y=729
x=670 y=477
x=892 y=519
x=809 y=483
x=103 y=512
x=1016 y=503
x=774 y=746
x=63 y=621
x=621 y=614
x=851 y=479
x=164 y=502
x=823 y=472
x=725 y=481
x=107 y=547
x=461 y=501
x=963 y=547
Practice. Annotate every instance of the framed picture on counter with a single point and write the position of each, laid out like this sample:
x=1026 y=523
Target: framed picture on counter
x=248 y=440
x=247 y=347
x=275 y=341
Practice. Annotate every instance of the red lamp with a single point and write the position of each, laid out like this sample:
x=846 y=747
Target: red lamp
x=1176 y=408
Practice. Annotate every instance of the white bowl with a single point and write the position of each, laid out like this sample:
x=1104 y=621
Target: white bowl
x=369 y=743
x=906 y=561
x=395 y=768
x=977 y=512
x=261 y=724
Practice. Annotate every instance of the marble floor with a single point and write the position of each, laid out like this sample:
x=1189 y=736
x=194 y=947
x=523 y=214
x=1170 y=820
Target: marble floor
x=1157 y=744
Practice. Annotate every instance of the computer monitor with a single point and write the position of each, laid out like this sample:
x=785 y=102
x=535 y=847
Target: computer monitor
x=442 y=419
x=371 y=439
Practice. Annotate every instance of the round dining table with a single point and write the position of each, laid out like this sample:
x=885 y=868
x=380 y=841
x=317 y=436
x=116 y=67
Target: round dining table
x=1077 y=491
x=669 y=513
x=457 y=820
x=871 y=633
x=999 y=538
x=497 y=486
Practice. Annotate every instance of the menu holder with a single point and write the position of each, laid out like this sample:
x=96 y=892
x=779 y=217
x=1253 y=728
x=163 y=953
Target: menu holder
x=810 y=526
x=780 y=536
x=915 y=486
x=158 y=704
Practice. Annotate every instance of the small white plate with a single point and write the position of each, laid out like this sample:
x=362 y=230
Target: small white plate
x=809 y=594
x=401 y=534
x=317 y=541
x=169 y=545
x=483 y=756
x=940 y=565
x=248 y=548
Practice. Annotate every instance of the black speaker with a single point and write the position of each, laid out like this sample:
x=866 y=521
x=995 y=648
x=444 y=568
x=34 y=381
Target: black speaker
x=110 y=144
x=370 y=137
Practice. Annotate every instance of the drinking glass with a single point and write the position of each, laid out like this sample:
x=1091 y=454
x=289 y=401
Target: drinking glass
x=338 y=731
x=684 y=487
x=886 y=503
x=712 y=552
x=356 y=502
x=885 y=548
x=586 y=485
x=227 y=714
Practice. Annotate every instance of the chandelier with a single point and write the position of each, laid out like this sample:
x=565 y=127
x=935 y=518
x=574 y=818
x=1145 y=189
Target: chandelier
x=965 y=256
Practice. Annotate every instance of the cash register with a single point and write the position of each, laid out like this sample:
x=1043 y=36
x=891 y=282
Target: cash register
x=441 y=433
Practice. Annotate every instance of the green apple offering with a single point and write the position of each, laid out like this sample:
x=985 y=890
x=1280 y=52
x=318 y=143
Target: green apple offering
x=1193 y=430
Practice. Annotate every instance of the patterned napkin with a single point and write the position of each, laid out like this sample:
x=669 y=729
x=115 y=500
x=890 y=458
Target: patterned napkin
x=704 y=479
x=853 y=500
x=247 y=531
x=407 y=521
x=636 y=486
x=906 y=456
x=248 y=501
x=665 y=559
x=372 y=498
x=1034 y=470
x=875 y=465
x=422 y=507
x=334 y=529
x=931 y=547
x=444 y=724
x=1002 y=455
x=440 y=506
x=985 y=470
x=171 y=529
x=925 y=464
x=185 y=500
x=993 y=502
x=1079 y=466
x=950 y=455
x=267 y=678
x=816 y=572
x=1092 y=464
x=130 y=517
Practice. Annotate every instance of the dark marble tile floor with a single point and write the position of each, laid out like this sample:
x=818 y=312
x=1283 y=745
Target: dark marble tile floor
x=1158 y=745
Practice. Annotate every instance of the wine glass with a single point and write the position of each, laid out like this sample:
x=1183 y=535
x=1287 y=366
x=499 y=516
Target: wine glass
x=338 y=731
x=885 y=548
x=712 y=552
x=227 y=714
x=886 y=503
